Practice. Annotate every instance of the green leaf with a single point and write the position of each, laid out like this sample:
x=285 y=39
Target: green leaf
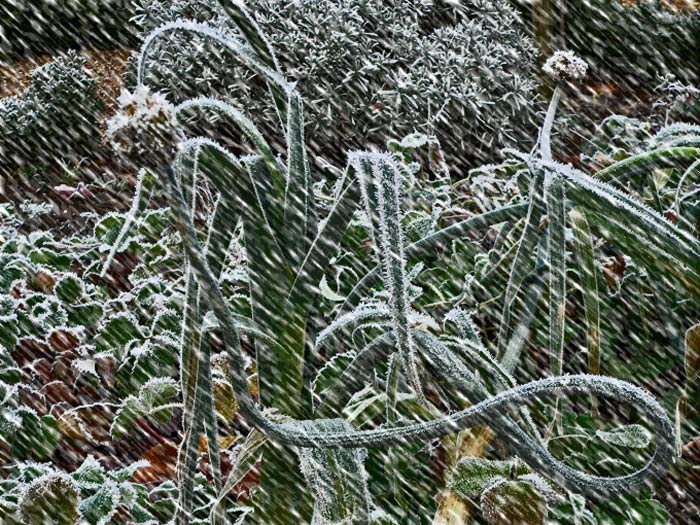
x=631 y=511
x=381 y=191
x=36 y=437
x=90 y=474
x=472 y=475
x=649 y=512
x=50 y=499
x=117 y=333
x=589 y=283
x=647 y=161
x=49 y=258
x=87 y=315
x=628 y=436
x=101 y=506
x=69 y=289
x=337 y=478
x=522 y=265
x=154 y=358
x=557 y=271
x=299 y=204
x=153 y=401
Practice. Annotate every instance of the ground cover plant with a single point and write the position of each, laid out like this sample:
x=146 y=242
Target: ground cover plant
x=261 y=336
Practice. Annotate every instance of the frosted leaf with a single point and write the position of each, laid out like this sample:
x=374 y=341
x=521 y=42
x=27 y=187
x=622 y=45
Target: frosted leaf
x=472 y=475
x=629 y=436
x=52 y=498
x=153 y=401
x=103 y=505
x=371 y=312
x=337 y=479
x=327 y=293
x=464 y=323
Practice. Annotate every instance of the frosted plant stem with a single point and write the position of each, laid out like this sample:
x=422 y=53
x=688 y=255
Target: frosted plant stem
x=546 y=132
x=140 y=200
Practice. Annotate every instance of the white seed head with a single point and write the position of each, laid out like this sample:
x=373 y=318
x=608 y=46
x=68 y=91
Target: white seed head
x=565 y=65
x=144 y=130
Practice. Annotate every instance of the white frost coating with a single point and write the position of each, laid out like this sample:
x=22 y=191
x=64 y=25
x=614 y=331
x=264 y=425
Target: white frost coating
x=677 y=128
x=387 y=184
x=242 y=120
x=368 y=312
x=85 y=366
x=464 y=323
x=565 y=65
x=546 y=131
x=325 y=471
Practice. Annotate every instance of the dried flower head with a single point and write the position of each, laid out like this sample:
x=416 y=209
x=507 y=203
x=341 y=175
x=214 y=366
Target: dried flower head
x=144 y=130
x=565 y=65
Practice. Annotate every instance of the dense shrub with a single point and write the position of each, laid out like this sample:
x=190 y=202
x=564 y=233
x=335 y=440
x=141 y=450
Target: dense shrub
x=29 y=27
x=54 y=119
x=378 y=69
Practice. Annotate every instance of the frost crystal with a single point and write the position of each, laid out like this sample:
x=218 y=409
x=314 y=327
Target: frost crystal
x=565 y=65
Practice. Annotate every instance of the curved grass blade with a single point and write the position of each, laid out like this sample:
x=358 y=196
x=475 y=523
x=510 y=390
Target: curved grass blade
x=485 y=412
x=279 y=87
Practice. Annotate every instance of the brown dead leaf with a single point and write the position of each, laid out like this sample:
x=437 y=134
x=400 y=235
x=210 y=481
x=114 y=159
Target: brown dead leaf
x=162 y=459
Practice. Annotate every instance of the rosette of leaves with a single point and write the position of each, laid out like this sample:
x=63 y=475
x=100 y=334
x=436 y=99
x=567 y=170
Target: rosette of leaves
x=409 y=356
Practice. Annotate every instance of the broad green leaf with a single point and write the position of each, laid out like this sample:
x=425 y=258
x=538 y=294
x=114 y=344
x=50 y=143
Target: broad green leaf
x=154 y=401
x=522 y=265
x=99 y=508
x=117 y=333
x=628 y=436
x=472 y=475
